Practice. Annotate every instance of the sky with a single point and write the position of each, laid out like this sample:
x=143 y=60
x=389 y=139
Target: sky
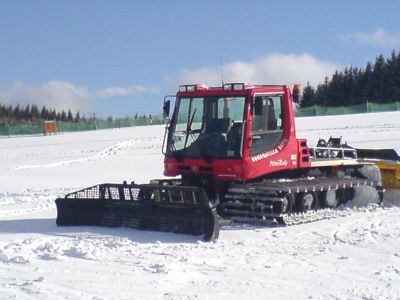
x=118 y=58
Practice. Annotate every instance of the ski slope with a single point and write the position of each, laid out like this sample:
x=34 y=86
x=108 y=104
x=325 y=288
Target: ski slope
x=353 y=256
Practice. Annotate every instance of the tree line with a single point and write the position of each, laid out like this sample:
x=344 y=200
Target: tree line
x=31 y=114
x=377 y=82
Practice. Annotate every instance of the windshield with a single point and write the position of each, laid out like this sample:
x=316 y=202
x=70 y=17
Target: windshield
x=208 y=127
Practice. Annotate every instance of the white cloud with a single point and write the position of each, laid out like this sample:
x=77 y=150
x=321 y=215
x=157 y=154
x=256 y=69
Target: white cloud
x=123 y=91
x=273 y=68
x=378 y=38
x=63 y=95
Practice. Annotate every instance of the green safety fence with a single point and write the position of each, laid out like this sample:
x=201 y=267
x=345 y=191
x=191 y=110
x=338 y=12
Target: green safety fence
x=378 y=107
x=11 y=130
x=72 y=126
x=6 y=130
x=368 y=107
x=316 y=110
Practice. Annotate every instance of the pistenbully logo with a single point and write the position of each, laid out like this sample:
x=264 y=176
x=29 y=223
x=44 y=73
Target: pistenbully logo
x=278 y=163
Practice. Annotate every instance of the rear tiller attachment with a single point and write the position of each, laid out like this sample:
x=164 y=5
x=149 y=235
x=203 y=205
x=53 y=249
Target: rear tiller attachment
x=157 y=207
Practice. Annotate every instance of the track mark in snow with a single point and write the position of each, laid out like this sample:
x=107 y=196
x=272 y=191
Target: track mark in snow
x=368 y=229
x=157 y=268
x=28 y=201
x=391 y=270
x=153 y=142
x=13 y=259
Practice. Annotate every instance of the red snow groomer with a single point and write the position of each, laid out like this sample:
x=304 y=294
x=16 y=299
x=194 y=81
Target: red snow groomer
x=238 y=158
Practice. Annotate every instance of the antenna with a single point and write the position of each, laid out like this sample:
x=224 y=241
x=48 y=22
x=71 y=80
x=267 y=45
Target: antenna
x=222 y=74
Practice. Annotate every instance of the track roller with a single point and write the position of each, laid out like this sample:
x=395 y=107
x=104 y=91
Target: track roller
x=287 y=208
x=330 y=199
x=307 y=201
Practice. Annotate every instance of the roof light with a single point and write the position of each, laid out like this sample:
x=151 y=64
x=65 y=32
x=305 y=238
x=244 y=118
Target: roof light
x=238 y=86
x=227 y=87
x=190 y=88
x=234 y=86
x=201 y=87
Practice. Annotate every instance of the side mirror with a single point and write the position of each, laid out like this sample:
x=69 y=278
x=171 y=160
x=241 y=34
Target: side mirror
x=166 y=108
x=296 y=93
x=258 y=106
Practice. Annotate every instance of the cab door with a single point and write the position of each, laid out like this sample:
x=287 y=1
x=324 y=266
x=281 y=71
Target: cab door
x=267 y=122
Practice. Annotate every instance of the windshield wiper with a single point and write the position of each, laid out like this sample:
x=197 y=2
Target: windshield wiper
x=202 y=150
x=189 y=127
x=200 y=146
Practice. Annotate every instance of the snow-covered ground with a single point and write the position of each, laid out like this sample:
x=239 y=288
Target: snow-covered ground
x=356 y=256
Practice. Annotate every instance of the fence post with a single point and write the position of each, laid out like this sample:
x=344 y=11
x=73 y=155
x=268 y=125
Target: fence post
x=95 y=121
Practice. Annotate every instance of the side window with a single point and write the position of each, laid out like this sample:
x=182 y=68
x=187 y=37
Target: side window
x=195 y=106
x=231 y=107
x=267 y=122
x=183 y=114
x=196 y=113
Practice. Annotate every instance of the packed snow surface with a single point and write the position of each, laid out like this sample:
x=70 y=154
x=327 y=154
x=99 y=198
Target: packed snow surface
x=353 y=256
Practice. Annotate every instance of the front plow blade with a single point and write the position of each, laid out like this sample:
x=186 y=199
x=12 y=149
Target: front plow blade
x=156 y=207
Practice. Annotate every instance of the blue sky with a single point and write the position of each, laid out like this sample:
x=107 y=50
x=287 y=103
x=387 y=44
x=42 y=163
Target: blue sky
x=121 y=57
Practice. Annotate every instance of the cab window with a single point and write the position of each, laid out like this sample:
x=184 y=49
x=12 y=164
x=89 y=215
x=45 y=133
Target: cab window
x=267 y=122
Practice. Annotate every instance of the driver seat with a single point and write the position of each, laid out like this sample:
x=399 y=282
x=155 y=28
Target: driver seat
x=218 y=126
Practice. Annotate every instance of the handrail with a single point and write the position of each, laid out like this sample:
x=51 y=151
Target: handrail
x=324 y=153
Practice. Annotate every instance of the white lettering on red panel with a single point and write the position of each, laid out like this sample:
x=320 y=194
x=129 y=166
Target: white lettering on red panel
x=270 y=153
x=278 y=163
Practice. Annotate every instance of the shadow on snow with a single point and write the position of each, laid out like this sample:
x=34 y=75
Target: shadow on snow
x=49 y=227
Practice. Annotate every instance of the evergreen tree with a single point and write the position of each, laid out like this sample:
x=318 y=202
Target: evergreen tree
x=308 y=96
x=70 y=117
x=27 y=113
x=63 y=116
x=44 y=113
x=77 y=117
x=53 y=115
x=378 y=82
x=34 y=112
x=16 y=113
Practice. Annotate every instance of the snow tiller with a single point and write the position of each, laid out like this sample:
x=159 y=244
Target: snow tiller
x=238 y=158
x=147 y=207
